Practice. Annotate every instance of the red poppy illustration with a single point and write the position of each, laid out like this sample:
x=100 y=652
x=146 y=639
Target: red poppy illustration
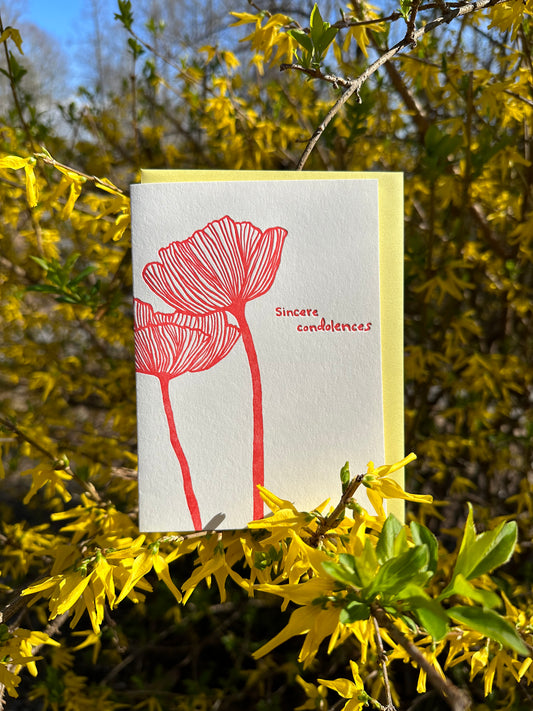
x=220 y=335
x=220 y=268
x=168 y=345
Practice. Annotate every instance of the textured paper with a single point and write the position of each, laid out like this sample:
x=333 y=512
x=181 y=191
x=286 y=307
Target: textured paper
x=322 y=397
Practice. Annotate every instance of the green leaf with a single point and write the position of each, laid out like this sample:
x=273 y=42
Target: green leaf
x=399 y=571
x=494 y=548
x=405 y=6
x=342 y=574
x=317 y=24
x=135 y=48
x=41 y=262
x=85 y=272
x=67 y=299
x=354 y=611
x=44 y=288
x=70 y=262
x=385 y=545
x=479 y=554
x=400 y=543
x=322 y=34
x=422 y=536
x=17 y=70
x=461 y=586
x=490 y=624
x=326 y=39
x=125 y=14
x=428 y=612
x=4 y=632
x=409 y=622
x=347 y=561
x=367 y=563
x=302 y=38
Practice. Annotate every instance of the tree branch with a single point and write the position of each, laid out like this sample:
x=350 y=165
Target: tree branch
x=408 y=40
x=457 y=699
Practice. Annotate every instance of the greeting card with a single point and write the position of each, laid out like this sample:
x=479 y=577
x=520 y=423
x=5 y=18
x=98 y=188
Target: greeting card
x=258 y=343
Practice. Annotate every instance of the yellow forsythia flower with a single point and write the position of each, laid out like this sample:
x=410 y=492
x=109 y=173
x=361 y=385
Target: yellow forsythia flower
x=15 y=163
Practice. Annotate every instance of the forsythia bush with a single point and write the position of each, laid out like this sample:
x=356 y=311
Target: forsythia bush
x=375 y=612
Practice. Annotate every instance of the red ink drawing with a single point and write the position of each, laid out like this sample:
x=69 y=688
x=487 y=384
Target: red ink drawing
x=168 y=345
x=219 y=269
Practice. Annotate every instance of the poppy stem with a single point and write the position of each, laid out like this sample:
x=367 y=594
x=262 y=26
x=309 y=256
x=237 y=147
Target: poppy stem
x=180 y=454
x=258 y=461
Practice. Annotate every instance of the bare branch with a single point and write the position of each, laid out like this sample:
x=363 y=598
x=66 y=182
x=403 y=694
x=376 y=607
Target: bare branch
x=411 y=24
x=317 y=74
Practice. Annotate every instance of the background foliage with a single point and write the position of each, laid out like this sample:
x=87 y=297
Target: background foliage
x=454 y=111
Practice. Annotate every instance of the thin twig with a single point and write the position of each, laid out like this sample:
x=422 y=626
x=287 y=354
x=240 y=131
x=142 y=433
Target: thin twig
x=382 y=658
x=14 y=92
x=352 y=22
x=102 y=184
x=336 y=515
x=517 y=96
x=317 y=74
x=256 y=7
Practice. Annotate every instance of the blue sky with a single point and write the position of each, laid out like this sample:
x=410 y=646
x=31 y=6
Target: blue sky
x=63 y=18
x=71 y=24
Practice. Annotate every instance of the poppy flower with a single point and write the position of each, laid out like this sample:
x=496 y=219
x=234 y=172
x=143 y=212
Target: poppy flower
x=220 y=268
x=167 y=350
x=167 y=345
x=215 y=335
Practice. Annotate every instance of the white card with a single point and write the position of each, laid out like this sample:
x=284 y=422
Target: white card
x=258 y=348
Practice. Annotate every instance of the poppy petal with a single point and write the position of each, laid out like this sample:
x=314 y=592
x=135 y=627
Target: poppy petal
x=222 y=337
x=264 y=263
x=167 y=349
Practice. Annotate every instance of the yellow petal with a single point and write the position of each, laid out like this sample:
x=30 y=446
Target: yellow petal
x=14 y=35
x=390 y=489
x=43 y=585
x=74 y=193
x=141 y=566
x=163 y=573
x=300 y=622
x=31 y=185
x=71 y=590
x=343 y=687
x=13 y=162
